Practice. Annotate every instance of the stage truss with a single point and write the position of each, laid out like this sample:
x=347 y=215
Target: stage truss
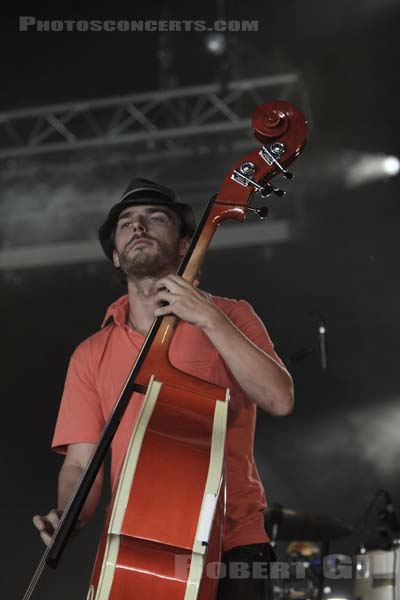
x=146 y=117
x=160 y=126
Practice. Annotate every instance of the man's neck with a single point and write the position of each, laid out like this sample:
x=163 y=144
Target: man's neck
x=142 y=303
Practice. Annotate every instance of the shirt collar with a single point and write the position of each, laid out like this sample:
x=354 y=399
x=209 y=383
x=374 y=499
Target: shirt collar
x=118 y=310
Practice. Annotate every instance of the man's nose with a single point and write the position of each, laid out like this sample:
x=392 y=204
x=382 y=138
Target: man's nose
x=139 y=224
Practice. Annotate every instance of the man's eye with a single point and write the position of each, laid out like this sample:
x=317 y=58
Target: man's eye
x=155 y=218
x=124 y=225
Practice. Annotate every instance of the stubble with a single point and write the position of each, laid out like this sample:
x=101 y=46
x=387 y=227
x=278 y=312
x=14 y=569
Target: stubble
x=152 y=262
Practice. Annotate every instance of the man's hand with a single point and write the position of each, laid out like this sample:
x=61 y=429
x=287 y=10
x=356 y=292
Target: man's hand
x=186 y=302
x=47 y=524
x=262 y=379
x=75 y=462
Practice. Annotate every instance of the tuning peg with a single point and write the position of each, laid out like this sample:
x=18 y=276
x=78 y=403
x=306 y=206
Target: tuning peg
x=268 y=189
x=261 y=212
x=272 y=154
x=242 y=176
x=287 y=174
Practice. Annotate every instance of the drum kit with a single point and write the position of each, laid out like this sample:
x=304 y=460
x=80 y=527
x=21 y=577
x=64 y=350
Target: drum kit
x=308 y=569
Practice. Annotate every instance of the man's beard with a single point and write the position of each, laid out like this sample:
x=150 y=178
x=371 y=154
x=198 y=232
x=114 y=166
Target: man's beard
x=160 y=261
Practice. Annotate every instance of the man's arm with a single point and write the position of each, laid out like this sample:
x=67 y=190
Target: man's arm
x=75 y=461
x=262 y=379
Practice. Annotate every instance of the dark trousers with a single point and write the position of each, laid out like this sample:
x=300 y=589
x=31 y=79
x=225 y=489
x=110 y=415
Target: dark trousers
x=245 y=580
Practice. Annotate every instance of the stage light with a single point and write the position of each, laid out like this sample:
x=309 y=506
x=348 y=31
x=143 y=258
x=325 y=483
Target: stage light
x=391 y=165
x=327 y=590
x=367 y=168
x=215 y=43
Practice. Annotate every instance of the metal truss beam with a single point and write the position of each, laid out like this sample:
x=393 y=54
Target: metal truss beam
x=138 y=118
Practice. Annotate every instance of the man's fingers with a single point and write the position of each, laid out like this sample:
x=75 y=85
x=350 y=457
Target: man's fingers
x=45 y=528
x=54 y=518
x=38 y=522
x=47 y=524
x=163 y=310
x=179 y=280
x=46 y=537
x=173 y=283
x=165 y=296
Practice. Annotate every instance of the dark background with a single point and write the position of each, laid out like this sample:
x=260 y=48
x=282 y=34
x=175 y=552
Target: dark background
x=342 y=441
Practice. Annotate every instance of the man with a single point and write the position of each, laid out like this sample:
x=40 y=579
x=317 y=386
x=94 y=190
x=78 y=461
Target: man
x=146 y=235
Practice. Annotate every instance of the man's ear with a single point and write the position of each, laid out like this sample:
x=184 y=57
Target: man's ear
x=184 y=245
x=115 y=258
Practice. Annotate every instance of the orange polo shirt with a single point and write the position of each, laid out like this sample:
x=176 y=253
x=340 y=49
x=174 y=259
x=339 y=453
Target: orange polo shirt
x=98 y=369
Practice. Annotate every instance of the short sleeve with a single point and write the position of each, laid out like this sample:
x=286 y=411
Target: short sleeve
x=246 y=319
x=80 y=418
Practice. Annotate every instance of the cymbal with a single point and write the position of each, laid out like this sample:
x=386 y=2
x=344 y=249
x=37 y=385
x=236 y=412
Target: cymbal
x=298 y=525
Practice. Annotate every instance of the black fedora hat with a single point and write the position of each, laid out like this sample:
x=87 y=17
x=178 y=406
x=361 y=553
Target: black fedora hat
x=144 y=191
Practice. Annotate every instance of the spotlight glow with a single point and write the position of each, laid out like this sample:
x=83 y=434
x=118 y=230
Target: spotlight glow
x=215 y=43
x=370 y=167
x=391 y=165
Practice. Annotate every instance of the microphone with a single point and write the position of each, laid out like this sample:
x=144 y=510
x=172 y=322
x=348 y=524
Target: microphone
x=322 y=335
x=389 y=514
x=322 y=345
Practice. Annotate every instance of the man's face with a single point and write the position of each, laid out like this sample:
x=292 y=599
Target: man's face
x=148 y=241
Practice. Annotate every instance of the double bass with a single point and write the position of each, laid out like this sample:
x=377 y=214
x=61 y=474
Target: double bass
x=164 y=528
